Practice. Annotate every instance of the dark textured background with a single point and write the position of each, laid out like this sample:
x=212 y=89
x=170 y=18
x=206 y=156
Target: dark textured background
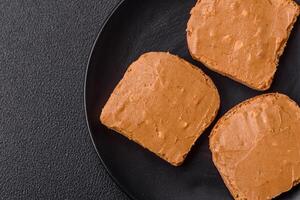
x=45 y=149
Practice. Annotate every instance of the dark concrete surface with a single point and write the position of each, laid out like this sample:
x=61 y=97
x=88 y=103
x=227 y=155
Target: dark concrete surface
x=45 y=148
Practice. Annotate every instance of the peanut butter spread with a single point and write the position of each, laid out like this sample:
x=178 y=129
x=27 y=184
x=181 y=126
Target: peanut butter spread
x=256 y=147
x=163 y=103
x=241 y=39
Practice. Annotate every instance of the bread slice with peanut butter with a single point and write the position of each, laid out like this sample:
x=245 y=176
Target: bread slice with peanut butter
x=162 y=103
x=241 y=39
x=256 y=147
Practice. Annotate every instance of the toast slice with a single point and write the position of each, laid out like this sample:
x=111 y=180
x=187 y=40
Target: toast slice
x=162 y=103
x=256 y=147
x=241 y=39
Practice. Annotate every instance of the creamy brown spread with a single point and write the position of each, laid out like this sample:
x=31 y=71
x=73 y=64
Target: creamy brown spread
x=163 y=103
x=256 y=147
x=241 y=39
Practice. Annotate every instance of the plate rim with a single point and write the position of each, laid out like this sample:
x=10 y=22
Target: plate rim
x=104 y=24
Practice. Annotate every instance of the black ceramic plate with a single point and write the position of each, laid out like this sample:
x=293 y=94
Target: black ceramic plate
x=139 y=26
